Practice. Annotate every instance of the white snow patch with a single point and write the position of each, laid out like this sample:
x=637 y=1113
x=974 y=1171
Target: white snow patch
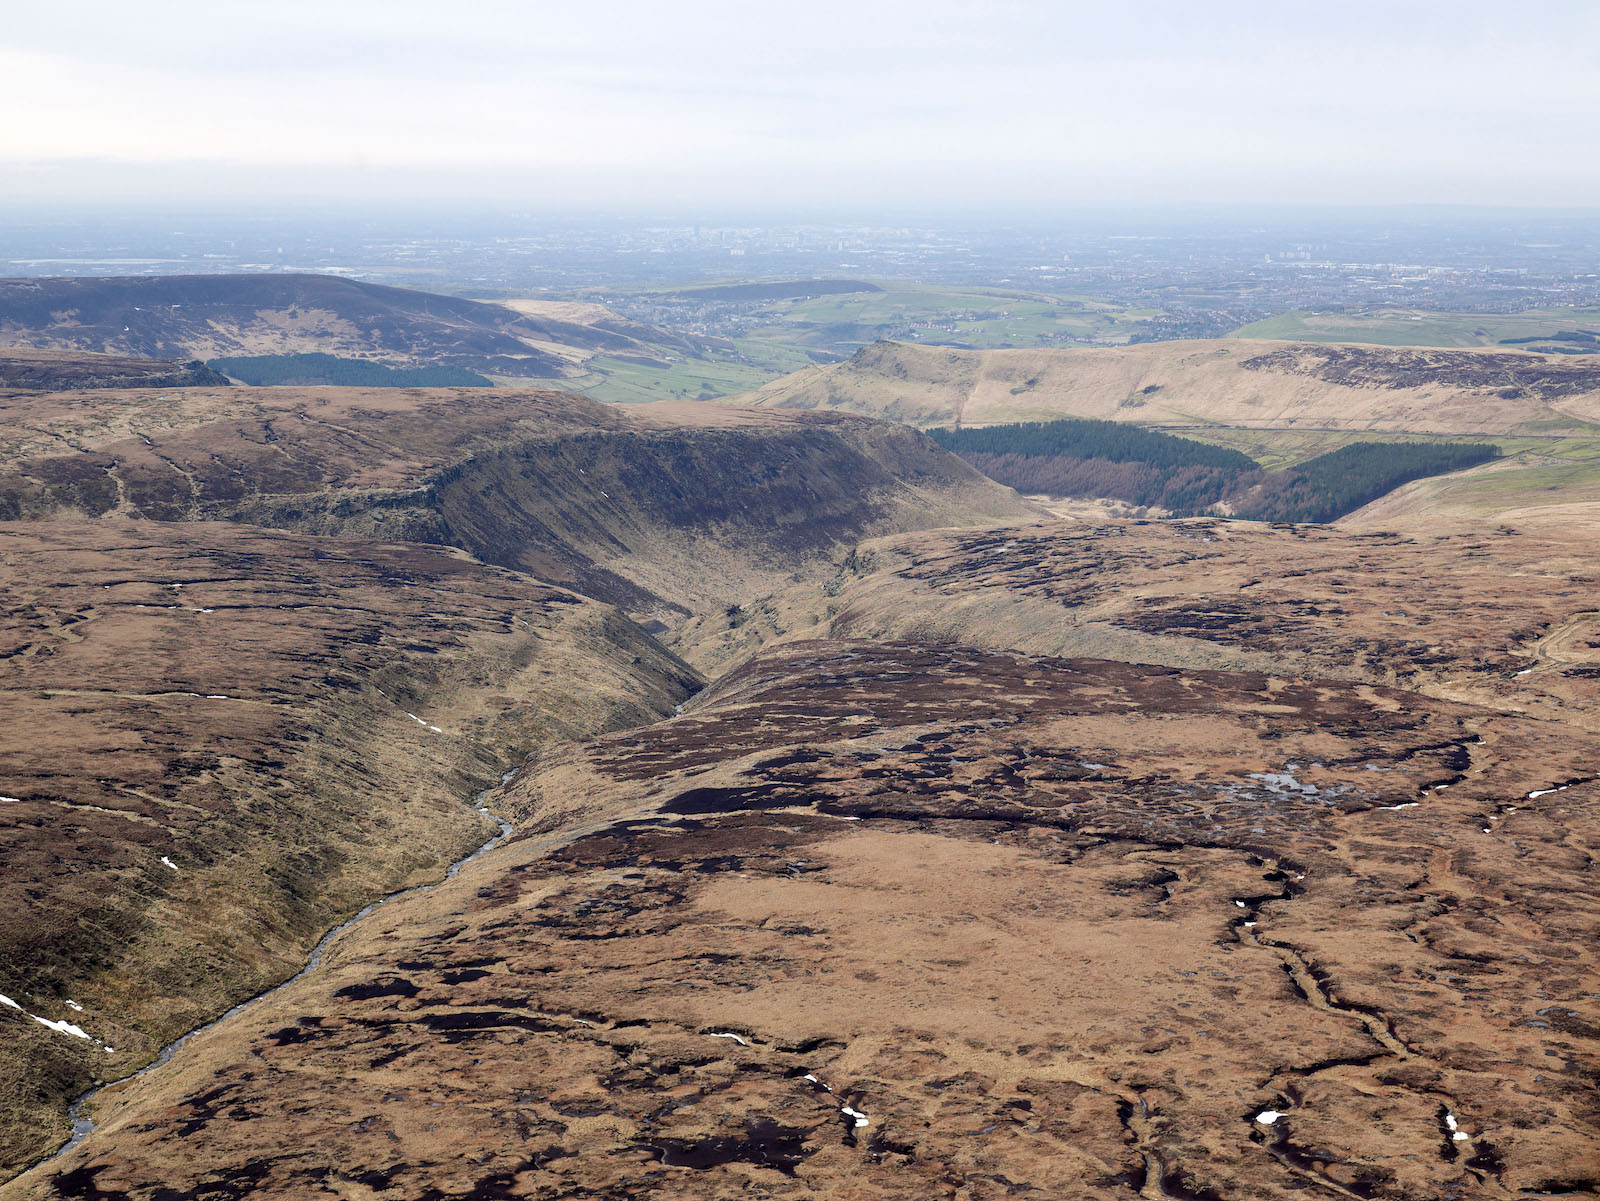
x=1241 y=904
x=217 y=696
x=1268 y=1116
x=861 y=1118
x=62 y=1027
x=74 y=1005
x=735 y=1038
x=1249 y=925
x=1406 y=805
x=424 y=724
x=5 y=1000
x=1525 y=671
x=11 y=800
x=169 y=863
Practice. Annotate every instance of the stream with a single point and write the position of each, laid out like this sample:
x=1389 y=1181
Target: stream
x=77 y=1113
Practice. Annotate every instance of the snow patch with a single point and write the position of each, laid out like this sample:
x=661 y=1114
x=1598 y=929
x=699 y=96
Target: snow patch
x=62 y=1027
x=735 y=1038
x=169 y=863
x=861 y=1118
x=5 y=1000
x=1268 y=1116
x=11 y=800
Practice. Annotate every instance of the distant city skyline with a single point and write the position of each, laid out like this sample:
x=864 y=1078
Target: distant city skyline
x=625 y=105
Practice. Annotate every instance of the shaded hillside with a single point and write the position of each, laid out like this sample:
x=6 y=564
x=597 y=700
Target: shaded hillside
x=1228 y=382
x=659 y=508
x=211 y=316
x=52 y=370
x=221 y=740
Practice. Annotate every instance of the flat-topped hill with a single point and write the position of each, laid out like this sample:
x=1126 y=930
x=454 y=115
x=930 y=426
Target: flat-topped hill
x=1226 y=382
x=38 y=370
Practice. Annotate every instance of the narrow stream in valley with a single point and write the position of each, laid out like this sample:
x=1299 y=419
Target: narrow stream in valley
x=77 y=1113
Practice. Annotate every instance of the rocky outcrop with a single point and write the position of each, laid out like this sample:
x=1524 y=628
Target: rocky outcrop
x=58 y=370
x=664 y=509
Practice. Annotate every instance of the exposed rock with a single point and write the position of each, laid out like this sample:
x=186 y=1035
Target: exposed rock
x=662 y=509
x=57 y=370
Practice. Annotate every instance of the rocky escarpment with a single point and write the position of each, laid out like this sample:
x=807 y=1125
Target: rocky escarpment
x=663 y=509
x=220 y=740
x=58 y=370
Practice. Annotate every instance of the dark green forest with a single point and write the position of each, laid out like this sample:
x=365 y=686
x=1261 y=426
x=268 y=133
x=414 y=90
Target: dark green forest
x=1087 y=439
x=269 y=369
x=1187 y=478
x=1343 y=480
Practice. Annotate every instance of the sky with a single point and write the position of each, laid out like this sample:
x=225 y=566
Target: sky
x=1006 y=105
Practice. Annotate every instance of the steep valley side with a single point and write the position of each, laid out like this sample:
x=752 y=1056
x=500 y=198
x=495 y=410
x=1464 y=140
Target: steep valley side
x=662 y=509
x=222 y=739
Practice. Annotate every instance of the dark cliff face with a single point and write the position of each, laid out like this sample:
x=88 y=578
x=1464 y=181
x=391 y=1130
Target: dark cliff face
x=45 y=371
x=661 y=519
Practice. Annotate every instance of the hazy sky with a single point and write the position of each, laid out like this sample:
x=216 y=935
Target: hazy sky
x=867 y=103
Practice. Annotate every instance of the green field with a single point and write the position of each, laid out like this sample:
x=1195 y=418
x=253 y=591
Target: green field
x=630 y=381
x=1418 y=327
x=784 y=336
x=978 y=317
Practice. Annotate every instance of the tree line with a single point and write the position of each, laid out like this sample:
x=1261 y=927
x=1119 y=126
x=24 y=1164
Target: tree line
x=1081 y=457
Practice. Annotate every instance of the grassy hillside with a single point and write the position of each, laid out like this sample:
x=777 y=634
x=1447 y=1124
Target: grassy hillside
x=1420 y=327
x=1281 y=404
x=1224 y=383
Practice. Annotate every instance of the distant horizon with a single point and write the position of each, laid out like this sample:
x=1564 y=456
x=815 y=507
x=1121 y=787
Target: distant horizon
x=392 y=207
x=856 y=104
